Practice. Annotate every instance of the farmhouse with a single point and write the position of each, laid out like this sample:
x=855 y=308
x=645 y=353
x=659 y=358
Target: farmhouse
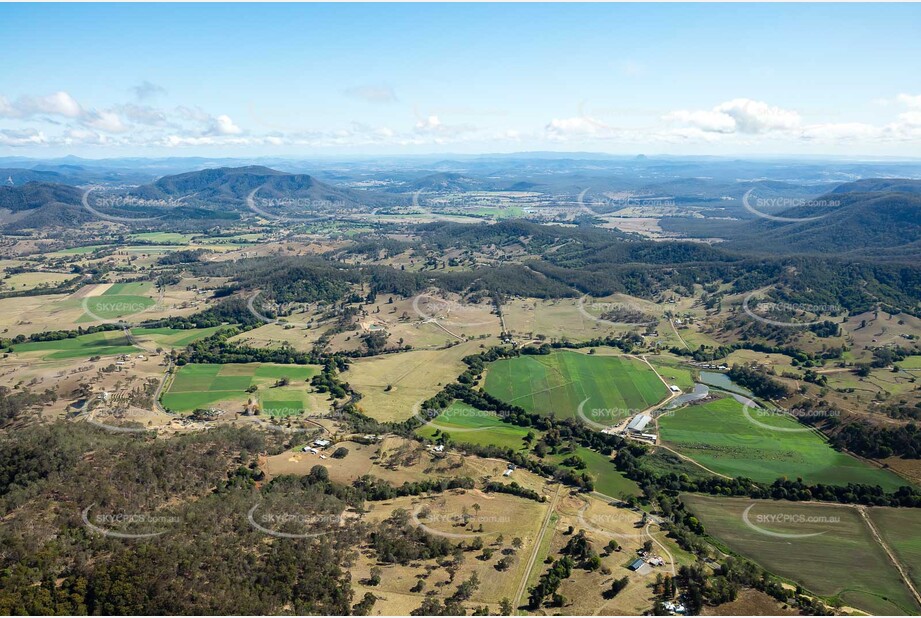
x=639 y=422
x=322 y=443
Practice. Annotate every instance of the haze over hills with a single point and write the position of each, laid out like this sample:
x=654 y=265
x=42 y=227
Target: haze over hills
x=877 y=217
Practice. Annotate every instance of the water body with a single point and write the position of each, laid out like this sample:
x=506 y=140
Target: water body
x=723 y=382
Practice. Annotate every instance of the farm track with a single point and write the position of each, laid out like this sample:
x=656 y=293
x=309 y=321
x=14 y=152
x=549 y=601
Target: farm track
x=534 y=552
x=677 y=334
x=892 y=557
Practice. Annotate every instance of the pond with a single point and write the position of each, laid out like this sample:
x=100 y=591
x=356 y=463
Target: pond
x=724 y=382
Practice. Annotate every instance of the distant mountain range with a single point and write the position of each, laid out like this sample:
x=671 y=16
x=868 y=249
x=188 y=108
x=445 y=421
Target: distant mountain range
x=192 y=198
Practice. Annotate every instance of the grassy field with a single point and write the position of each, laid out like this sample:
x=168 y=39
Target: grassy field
x=467 y=425
x=901 y=530
x=97 y=344
x=607 y=479
x=841 y=559
x=28 y=281
x=498 y=514
x=163 y=237
x=613 y=387
x=412 y=377
x=673 y=370
x=718 y=435
x=199 y=385
x=553 y=318
x=173 y=337
x=76 y=251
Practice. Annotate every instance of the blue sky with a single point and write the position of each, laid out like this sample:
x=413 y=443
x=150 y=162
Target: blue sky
x=250 y=80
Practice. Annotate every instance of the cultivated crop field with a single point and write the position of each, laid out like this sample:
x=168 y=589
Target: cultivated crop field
x=901 y=531
x=95 y=344
x=199 y=385
x=614 y=387
x=119 y=300
x=718 y=435
x=840 y=558
x=173 y=337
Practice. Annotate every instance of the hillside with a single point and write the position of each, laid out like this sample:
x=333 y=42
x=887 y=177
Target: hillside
x=230 y=186
x=874 y=217
x=38 y=205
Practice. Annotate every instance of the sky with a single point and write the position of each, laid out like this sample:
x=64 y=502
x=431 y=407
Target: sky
x=104 y=80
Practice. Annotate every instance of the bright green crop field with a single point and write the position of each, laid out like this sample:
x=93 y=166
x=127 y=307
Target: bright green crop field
x=612 y=387
x=827 y=548
x=198 y=385
x=720 y=436
x=96 y=344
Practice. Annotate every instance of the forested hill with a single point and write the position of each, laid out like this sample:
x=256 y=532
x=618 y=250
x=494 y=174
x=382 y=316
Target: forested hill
x=232 y=186
x=40 y=205
x=871 y=218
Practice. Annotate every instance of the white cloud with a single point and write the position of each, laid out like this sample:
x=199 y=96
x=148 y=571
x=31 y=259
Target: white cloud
x=562 y=128
x=430 y=123
x=738 y=116
x=840 y=131
x=910 y=100
x=710 y=121
x=57 y=104
x=223 y=125
x=28 y=137
x=105 y=121
x=912 y=118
